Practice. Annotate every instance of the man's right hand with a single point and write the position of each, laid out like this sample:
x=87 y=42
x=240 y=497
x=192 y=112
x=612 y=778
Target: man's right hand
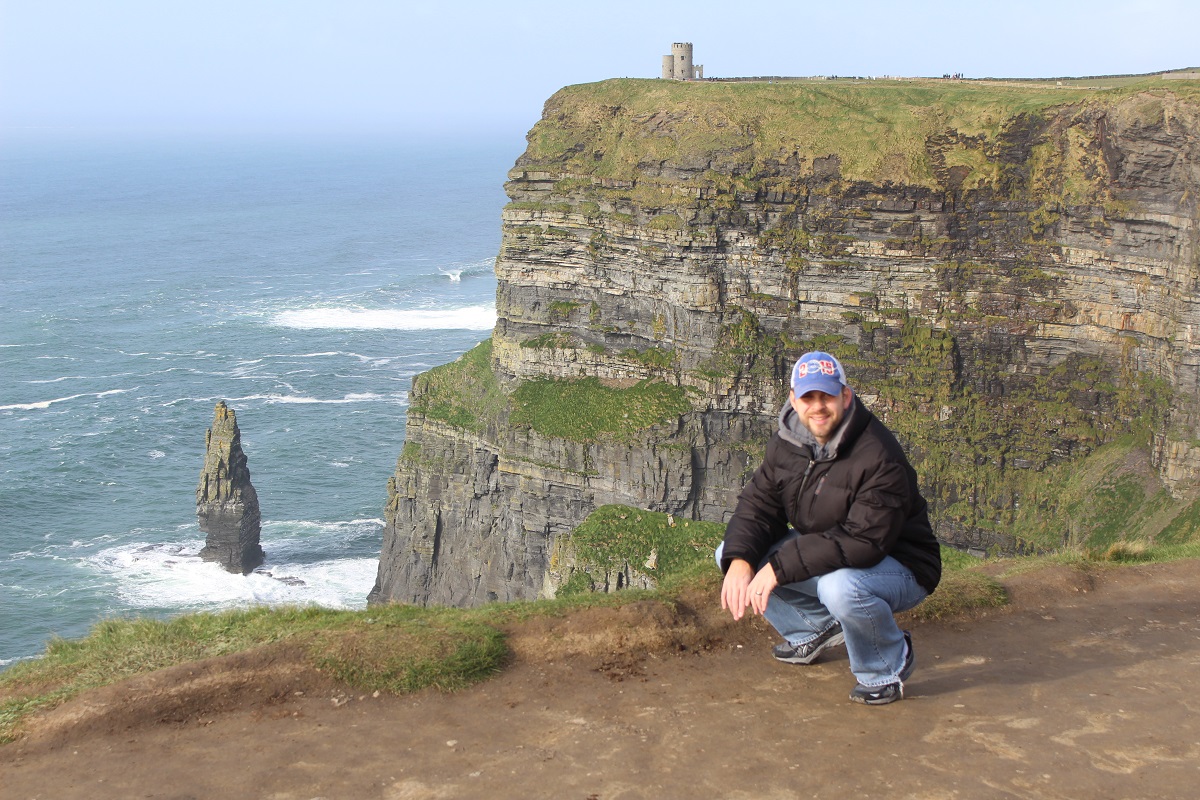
x=735 y=591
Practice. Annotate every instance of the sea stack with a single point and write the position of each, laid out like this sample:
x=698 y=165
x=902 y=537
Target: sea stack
x=226 y=503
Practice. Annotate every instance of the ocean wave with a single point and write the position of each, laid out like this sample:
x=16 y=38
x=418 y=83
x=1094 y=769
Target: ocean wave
x=324 y=354
x=41 y=404
x=465 y=318
x=300 y=399
x=486 y=266
x=54 y=550
x=336 y=526
x=59 y=380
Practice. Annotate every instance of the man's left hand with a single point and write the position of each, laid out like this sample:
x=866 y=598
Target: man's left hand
x=761 y=587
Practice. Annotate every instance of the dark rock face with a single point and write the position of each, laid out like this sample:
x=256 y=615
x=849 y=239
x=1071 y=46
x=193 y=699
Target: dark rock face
x=226 y=503
x=1026 y=300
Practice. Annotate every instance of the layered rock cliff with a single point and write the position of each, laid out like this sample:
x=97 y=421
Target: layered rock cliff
x=1009 y=275
x=226 y=503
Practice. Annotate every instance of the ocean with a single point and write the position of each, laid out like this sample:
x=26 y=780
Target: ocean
x=303 y=283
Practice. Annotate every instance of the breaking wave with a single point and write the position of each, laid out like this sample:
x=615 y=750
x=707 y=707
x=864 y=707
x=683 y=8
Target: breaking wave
x=475 y=318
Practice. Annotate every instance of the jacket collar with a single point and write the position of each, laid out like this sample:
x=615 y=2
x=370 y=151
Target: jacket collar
x=792 y=430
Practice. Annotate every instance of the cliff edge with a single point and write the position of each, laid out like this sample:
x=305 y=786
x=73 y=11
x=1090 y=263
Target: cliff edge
x=1009 y=274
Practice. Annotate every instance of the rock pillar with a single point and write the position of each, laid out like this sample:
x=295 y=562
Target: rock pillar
x=226 y=503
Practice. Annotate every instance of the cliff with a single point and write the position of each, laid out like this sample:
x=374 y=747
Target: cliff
x=226 y=503
x=1009 y=274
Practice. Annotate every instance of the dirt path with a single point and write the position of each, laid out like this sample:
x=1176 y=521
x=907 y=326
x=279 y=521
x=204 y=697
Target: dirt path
x=1081 y=690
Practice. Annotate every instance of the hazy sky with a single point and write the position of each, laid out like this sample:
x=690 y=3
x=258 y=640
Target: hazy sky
x=405 y=67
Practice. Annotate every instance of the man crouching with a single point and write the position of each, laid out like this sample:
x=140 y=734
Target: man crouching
x=859 y=547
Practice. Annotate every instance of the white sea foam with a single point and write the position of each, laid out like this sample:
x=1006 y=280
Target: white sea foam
x=47 y=403
x=326 y=354
x=59 y=380
x=172 y=576
x=364 y=397
x=465 y=318
x=30 y=406
x=486 y=266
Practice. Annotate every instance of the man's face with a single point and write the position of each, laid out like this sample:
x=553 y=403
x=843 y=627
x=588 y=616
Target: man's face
x=821 y=413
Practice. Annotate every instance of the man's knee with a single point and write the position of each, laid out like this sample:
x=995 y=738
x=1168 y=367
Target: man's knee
x=840 y=593
x=845 y=593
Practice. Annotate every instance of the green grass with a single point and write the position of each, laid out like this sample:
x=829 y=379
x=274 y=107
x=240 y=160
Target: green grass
x=666 y=222
x=963 y=589
x=879 y=129
x=586 y=410
x=392 y=648
x=464 y=393
x=652 y=357
x=1112 y=498
x=1183 y=529
x=615 y=537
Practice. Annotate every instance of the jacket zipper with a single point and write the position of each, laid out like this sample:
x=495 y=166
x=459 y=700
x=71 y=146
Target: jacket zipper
x=800 y=492
x=804 y=477
x=804 y=483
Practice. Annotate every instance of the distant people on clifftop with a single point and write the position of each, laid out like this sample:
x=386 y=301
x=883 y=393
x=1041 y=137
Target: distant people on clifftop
x=831 y=536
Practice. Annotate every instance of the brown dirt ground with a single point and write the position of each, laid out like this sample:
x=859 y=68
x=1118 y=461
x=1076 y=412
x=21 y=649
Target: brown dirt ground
x=1085 y=687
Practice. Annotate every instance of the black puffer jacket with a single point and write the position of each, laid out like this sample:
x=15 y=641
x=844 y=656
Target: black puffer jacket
x=853 y=501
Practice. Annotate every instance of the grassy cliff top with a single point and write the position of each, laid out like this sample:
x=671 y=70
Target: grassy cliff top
x=878 y=129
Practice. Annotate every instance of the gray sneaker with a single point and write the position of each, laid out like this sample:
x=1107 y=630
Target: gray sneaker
x=889 y=692
x=807 y=653
x=878 y=695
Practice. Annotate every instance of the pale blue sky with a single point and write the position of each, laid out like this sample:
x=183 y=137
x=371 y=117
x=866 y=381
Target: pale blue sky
x=399 y=67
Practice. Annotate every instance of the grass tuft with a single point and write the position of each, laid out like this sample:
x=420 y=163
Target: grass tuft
x=961 y=591
x=402 y=649
x=622 y=537
x=586 y=410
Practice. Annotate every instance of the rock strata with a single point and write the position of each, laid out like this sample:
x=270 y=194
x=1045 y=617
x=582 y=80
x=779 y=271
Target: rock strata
x=226 y=503
x=1009 y=274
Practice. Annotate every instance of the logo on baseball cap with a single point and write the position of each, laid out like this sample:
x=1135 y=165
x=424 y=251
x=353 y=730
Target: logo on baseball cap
x=820 y=372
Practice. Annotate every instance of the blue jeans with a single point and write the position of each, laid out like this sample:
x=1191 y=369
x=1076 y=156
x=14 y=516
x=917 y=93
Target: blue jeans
x=862 y=600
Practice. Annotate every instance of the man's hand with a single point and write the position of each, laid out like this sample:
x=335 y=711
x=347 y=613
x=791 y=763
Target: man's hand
x=743 y=588
x=761 y=587
x=735 y=595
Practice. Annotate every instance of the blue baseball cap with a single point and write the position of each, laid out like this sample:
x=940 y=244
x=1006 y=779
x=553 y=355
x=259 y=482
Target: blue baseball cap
x=820 y=372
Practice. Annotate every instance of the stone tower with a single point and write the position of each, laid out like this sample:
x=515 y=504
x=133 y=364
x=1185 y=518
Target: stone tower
x=226 y=503
x=678 y=65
